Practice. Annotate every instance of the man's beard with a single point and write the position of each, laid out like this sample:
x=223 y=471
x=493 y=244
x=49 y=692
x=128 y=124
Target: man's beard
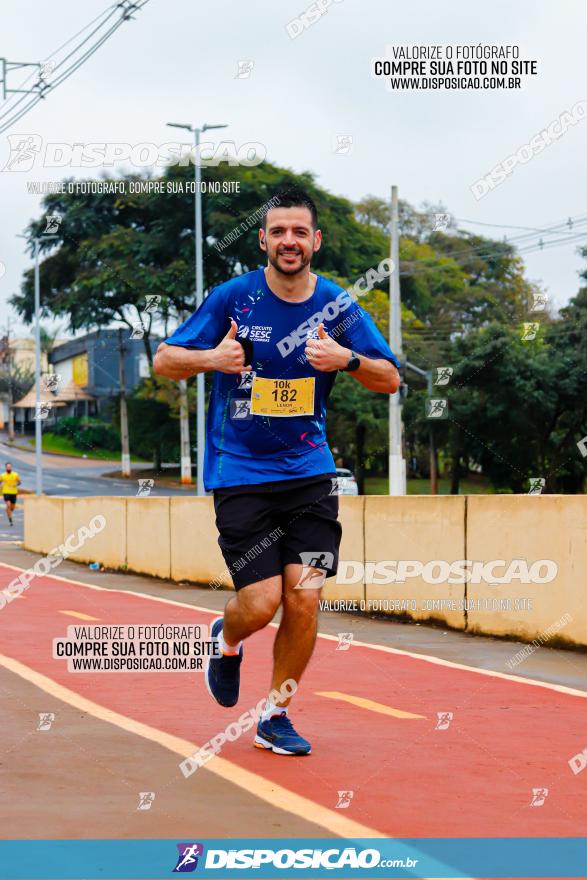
x=304 y=261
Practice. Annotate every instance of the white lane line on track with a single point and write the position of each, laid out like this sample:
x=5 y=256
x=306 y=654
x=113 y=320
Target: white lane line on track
x=265 y=789
x=425 y=658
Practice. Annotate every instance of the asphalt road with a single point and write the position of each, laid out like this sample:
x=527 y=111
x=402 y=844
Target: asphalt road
x=65 y=475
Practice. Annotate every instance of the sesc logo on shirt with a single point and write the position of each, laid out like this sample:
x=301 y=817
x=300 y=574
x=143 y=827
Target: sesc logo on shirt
x=260 y=333
x=256 y=333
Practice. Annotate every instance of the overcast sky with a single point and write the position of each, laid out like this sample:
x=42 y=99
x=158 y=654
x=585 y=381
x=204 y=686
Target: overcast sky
x=177 y=61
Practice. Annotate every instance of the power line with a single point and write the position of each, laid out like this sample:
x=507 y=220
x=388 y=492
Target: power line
x=549 y=244
x=555 y=227
x=495 y=248
x=497 y=225
x=443 y=330
x=488 y=250
x=8 y=107
x=41 y=88
x=91 y=34
x=569 y=223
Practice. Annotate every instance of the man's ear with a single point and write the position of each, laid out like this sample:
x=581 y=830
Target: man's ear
x=262 y=242
x=317 y=240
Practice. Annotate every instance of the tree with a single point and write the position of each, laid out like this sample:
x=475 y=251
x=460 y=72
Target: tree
x=516 y=407
x=15 y=381
x=463 y=298
x=113 y=250
x=48 y=339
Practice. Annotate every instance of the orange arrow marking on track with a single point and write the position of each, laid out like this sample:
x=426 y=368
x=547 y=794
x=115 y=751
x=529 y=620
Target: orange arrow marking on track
x=371 y=705
x=79 y=615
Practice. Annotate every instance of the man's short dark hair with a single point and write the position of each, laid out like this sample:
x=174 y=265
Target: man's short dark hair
x=294 y=197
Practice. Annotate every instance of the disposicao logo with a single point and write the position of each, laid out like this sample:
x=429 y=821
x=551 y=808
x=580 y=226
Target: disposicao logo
x=187 y=860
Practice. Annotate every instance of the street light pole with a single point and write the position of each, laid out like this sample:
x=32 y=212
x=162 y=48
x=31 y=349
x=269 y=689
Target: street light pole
x=199 y=279
x=38 y=425
x=200 y=380
x=397 y=465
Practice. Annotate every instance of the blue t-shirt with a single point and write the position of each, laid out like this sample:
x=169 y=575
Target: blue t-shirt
x=243 y=448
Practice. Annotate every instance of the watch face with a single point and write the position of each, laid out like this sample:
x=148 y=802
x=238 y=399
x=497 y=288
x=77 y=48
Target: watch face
x=353 y=364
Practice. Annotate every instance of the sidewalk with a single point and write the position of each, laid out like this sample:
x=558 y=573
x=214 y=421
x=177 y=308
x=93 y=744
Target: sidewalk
x=26 y=452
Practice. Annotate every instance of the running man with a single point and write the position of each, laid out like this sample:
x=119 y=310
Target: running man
x=10 y=481
x=275 y=339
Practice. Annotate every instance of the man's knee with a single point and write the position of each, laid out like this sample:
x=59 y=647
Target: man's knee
x=311 y=579
x=259 y=605
x=305 y=594
x=263 y=611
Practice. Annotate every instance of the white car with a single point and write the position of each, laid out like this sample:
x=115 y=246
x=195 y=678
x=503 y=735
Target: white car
x=347 y=485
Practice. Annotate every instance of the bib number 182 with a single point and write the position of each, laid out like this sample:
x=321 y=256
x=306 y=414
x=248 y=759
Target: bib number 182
x=285 y=395
x=282 y=397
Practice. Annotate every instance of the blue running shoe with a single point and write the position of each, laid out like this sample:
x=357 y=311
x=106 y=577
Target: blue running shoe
x=222 y=674
x=278 y=734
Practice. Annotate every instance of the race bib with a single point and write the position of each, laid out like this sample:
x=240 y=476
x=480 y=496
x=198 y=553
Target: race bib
x=282 y=397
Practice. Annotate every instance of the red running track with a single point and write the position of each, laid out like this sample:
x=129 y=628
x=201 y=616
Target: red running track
x=474 y=779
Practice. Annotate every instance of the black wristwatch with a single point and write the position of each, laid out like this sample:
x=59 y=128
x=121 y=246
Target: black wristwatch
x=353 y=364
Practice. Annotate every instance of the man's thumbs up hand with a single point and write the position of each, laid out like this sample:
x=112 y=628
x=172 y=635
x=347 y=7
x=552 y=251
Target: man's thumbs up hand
x=229 y=355
x=233 y=330
x=325 y=354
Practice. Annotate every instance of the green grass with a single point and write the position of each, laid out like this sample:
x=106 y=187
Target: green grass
x=58 y=443
x=170 y=476
x=380 y=486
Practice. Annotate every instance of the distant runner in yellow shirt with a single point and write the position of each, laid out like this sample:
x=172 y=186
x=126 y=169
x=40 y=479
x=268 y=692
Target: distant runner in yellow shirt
x=10 y=482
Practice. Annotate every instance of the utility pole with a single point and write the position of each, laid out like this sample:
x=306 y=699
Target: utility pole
x=184 y=433
x=123 y=409
x=397 y=465
x=7 y=359
x=432 y=443
x=427 y=374
x=200 y=384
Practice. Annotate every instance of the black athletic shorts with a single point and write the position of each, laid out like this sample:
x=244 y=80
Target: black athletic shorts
x=266 y=526
x=10 y=498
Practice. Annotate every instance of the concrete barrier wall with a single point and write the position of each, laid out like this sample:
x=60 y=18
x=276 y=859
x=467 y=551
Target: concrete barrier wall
x=109 y=545
x=195 y=554
x=422 y=529
x=43 y=522
x=148 y=539
x=176 y=538
x=351 y=515
x=531 y=528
